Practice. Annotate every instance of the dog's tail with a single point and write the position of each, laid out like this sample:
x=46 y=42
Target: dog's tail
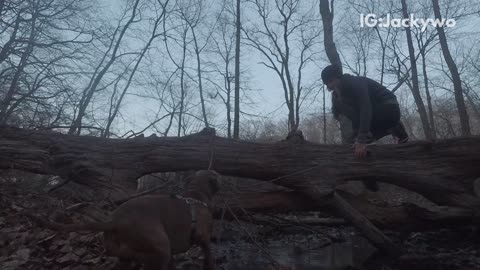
x=89 y=226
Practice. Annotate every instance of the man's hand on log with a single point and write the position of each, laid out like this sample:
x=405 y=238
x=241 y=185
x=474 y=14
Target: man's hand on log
x=360 y=150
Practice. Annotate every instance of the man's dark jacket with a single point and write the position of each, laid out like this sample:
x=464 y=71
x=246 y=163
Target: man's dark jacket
x=358 y=97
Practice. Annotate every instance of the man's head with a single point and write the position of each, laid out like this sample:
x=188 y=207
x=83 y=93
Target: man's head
x=331 y=76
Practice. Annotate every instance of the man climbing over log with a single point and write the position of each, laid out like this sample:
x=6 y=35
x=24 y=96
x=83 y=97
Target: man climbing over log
x=372 y=108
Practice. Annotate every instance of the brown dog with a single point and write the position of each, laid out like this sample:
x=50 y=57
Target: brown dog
x=150 y=229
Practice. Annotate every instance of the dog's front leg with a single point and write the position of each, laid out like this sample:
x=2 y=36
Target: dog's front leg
x=209 y=262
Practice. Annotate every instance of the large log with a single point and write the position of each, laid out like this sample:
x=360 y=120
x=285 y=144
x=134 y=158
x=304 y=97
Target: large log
x=443 y=171
x=405 y=217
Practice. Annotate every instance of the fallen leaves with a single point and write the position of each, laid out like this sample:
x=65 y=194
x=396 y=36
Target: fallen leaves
x=23 y=245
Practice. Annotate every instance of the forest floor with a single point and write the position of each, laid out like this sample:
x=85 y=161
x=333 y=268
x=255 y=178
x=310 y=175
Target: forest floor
x=238 y=245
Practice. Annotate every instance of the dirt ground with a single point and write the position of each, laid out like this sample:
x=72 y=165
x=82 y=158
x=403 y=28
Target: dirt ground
x=23 y=245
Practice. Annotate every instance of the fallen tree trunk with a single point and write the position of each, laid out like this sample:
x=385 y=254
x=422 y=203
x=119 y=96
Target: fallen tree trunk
x=444 y=171
x=406 y=217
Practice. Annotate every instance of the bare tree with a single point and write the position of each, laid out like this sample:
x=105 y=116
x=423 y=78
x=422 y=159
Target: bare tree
x=324 y=107
x=114 y=108
x=192 y=34
x=471 y=79
x=221 y=68
x=281 y=23
x=415 y=85
x=100 y=71
x=38 y=81
x=35 y=10
x=236 y=126
x=423 y=52
x=383 y=46
x=224 y=42
x=180 y=66
x=327 y=13
x=193 y=12
x=457 y=82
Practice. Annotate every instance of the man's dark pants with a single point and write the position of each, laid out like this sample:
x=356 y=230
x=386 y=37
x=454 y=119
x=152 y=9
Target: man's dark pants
x=385 y=121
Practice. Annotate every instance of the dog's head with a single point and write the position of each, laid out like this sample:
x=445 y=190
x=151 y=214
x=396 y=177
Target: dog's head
x=206 y=180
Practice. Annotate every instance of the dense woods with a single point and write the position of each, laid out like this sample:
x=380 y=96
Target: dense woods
x=95 y=96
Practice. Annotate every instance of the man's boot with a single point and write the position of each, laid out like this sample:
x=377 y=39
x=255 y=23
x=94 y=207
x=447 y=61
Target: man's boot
x=399 y=133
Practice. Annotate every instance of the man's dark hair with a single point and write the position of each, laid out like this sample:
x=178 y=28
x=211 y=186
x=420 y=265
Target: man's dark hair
x=330 y=72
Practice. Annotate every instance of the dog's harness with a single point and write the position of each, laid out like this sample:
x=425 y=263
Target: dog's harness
x=191 y=202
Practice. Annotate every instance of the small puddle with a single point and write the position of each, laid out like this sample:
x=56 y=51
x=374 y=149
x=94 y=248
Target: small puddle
x=353 y=252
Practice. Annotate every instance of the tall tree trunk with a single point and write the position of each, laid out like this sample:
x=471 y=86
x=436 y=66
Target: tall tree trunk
x=182 y=83
x=228 y=102
x=332 y=54
x=457 y=82
x=415 y=84
x=199 y=74
x=427 y=92
x=170 y=123
x=293 y=125
x=324 y=117
x=327 y=19
x=236 y=118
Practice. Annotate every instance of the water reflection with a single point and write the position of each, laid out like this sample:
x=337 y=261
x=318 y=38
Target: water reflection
x=351 y=253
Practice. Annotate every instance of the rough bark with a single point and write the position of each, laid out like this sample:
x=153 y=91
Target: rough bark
x=443 y=171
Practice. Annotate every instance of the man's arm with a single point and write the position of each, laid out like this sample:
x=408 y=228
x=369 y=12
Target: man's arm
x=359 y=90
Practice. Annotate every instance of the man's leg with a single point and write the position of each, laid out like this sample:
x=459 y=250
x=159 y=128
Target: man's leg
x=349 y=124
x=349 y=130
x=386 y=121
x=399 y=133
x=346 y=129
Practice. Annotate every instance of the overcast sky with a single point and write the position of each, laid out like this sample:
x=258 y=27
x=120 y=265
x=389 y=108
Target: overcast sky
x=271 y=96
